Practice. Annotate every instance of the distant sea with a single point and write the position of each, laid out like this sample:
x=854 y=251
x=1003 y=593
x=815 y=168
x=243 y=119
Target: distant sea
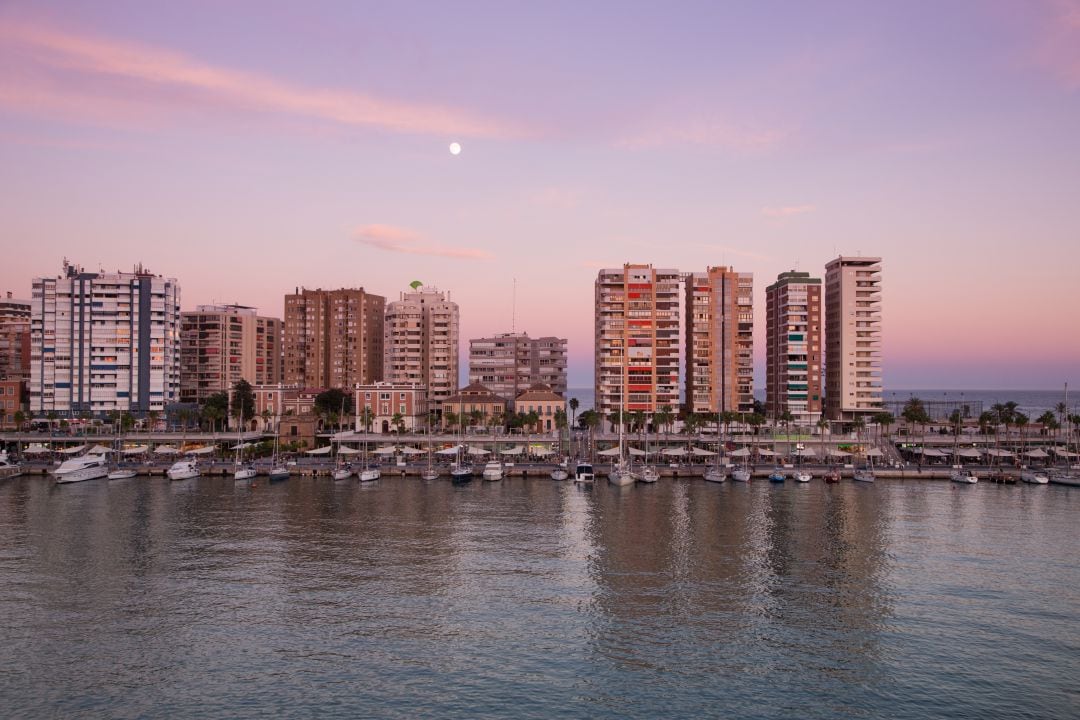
x=1032 y=403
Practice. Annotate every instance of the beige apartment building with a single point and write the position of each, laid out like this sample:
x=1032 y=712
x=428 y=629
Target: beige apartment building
x=719 y=341
x=793 y=350
x=636 y=339
x=223 y=344
x=421 y=343
x=14 y=339
x=853 y=382
x=509 y=363
x=333 y=338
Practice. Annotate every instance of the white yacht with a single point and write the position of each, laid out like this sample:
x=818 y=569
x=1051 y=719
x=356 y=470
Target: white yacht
x=8 y=469
x=183 y=470
x=621 y=474
x=245 y=471
x=84 y=467
x=864 y=475
x=344 y=472
x=716 y=474
x=493 y=470
x=369 y=472
x=803 y=476
x=1034 y=477
x=741 y=474
x=964 y=477
x=122 y=474
x=649 y=474
x=583 y=473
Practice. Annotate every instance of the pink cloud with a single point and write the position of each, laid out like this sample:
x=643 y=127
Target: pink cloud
x=787 y=210
x=403 y=240
x=707 y=132
x=52 y=64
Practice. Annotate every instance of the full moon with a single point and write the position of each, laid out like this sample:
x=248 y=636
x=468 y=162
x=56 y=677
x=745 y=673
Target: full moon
x=455 y=148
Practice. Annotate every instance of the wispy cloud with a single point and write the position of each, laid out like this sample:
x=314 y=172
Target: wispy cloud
x=1058 y=51
x=714 y=131
x=738 y=252
x=787 y=210
x=403 y=240
x=113 y=76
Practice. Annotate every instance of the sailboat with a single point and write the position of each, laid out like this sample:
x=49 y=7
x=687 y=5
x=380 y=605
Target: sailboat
x=461 y=471
x=341 y=471
x=649 y=473
x=742 y=473
x=621 y=472
x=865 y=474
x=185 y=469
x=429 y=472
x=118 y=472
x=493 y=469
x=717 y=473
x=244 y=470
x=278 y=469
x=370 y=470
x=959 y=474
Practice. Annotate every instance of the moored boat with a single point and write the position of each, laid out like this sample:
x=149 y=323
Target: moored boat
x=964 y=477
x=583 y=473
x=183 y=470
x=493 y=470
x=559 y=474
x=84 y=467
x=1034 y=477
x=122 y=474
x=777 y=475
x=8 y=469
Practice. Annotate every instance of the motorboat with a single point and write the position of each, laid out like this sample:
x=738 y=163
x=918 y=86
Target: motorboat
x=1064 y=476
x=583 y=473
x=122 y=474
x=716 y=474
x=865 y=475
x=559 y=474
x=964 y=477
x=777 y=475
x=832 y=476
x=84 y=467
x=370 y=472
x=493 y=470
x=1034 y=477
x=183 y=470
x=8 y=469
x=803 y=476
x=649 y=474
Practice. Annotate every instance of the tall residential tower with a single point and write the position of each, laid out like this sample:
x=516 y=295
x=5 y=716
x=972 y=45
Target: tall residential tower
x=853 y=384
x=637 y=339
x=223 y=344
x=421 y=341
x=510 y=363
x=793 y=349
x=719 y=341
x=333 y=338
x=104 y=341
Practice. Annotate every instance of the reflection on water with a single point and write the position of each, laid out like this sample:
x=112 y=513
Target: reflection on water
x=534 y=599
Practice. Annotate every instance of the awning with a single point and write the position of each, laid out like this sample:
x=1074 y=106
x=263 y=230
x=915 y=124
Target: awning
x=637 y=453
x=610 y=452
x=166 y=450
x=99 y=450
x=73 y=450
x=320 y=451
x=741 y=452
x=765 y=452
x=1037 y=453
x=35 y=450
x=136 y=450
x=969 y=453
x=837 y=452
x=702 y=453
x=930 y=452
x=1062 y=452
x=543 y=452
x=478 y=451
x=516 y=450
x=205 y=450
x=242 y=446
x=346 y=450
x=874 y=452
x=678 y=452
x=806 y=452
x=406 y=450
x=993 y=452
x=448 y=451
x=385 y=450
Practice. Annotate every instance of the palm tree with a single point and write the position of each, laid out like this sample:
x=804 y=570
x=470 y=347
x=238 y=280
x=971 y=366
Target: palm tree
x=398 y=421
x=1021 y=420
x=574 y=405
x=366 y=416
x=664 y=417
x=883 y=420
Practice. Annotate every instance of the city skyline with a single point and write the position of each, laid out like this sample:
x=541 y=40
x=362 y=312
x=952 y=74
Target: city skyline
x=311 y=148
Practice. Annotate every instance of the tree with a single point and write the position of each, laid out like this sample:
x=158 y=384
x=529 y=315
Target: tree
x=883 y=420
x=475 y=417
x=215 y=407
x=785 y=418
x=574 y=405
x=398 y=421
x=1021 y=420
x=212 y=413
x=956 y=419
x=532 y=419
x=914 y=413
x=20 y=419
x=664 y=417
x=450 y=418
x=366 y=417
x=333 y=400
x=560 y=419
x=244 y=399
x=153 y=416
x=756 y=420
x=1048 y=421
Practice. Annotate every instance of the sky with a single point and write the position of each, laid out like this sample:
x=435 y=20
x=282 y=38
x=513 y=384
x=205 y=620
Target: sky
x=248 y=148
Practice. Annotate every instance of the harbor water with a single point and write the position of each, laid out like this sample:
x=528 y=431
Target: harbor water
x=532 y=598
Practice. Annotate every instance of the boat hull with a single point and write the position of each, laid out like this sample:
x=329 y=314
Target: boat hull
x=716 y=476
x=122 y=474
x=559 y=474
x=244 y=474
x=87 y=473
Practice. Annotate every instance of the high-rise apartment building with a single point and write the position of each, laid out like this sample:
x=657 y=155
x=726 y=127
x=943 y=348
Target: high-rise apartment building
x=637 y=339
x=14 y=339
x=853 y=383
x=223 y=344
x=104 y=341
x=510 y=363
x=793 y=349
x=333 y=338
x=421 y=341
x=719 y=341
